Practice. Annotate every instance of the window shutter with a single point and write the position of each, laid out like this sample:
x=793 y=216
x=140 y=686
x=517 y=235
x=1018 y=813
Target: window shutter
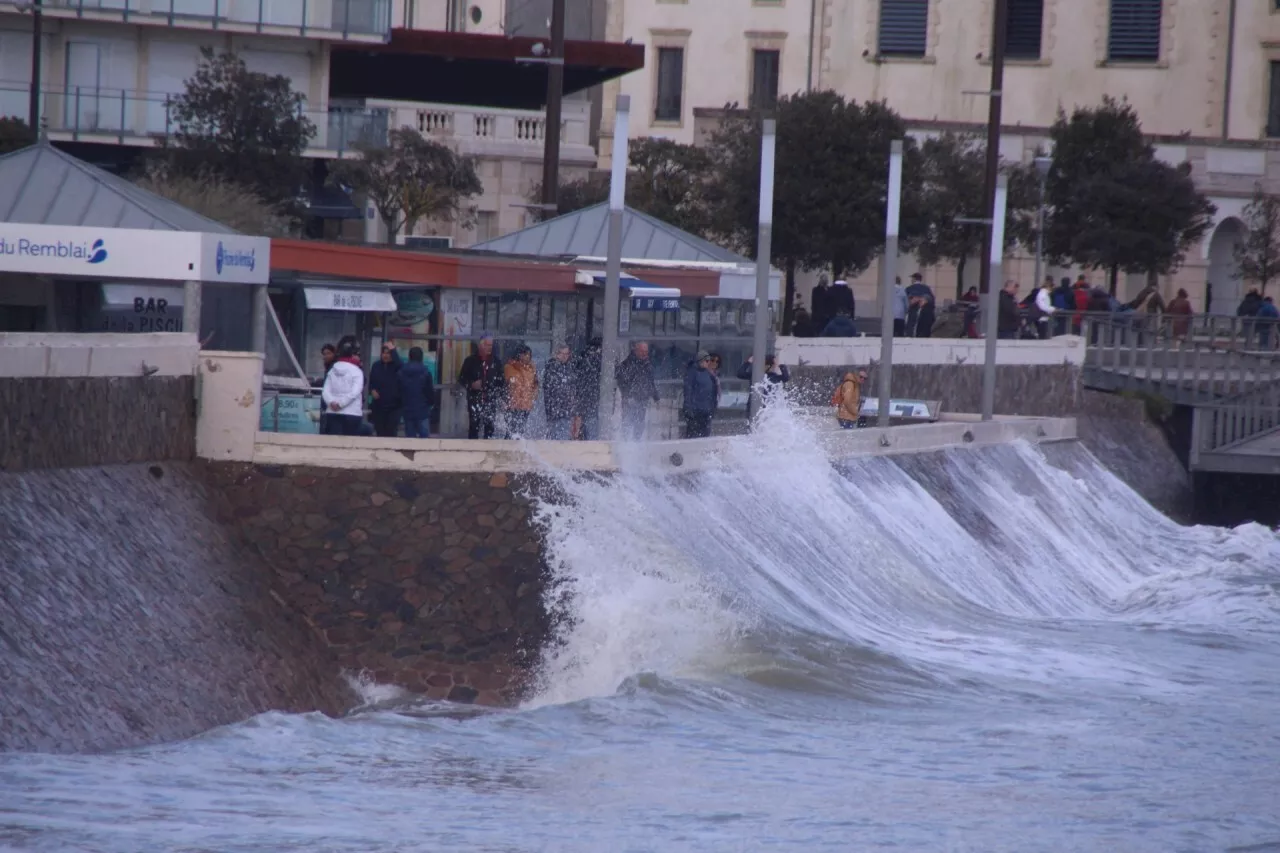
x=904 y=27
x=667 y=106
x=1135 y=30
x=1023 y=29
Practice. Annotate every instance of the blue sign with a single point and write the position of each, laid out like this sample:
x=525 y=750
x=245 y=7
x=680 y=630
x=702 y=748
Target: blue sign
x=291 y=413
x=655 y=303
x=94 y=253
x=229 y=258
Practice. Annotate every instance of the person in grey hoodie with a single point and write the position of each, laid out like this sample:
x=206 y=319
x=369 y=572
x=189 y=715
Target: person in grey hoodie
x=699 y=397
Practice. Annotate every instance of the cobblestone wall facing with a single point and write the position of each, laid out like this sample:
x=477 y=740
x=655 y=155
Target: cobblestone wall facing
x=432 y=582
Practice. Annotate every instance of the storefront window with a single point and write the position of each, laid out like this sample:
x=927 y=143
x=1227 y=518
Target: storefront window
x=325 y=327
x=513 y=317
x=688 y=319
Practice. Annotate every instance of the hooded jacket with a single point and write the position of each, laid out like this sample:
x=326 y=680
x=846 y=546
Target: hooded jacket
x=634 y=378
x=382 y=378
x=489 y=374
x=558 y=386
x=522 y=385
x=345 y=386
x=417 y=390
x=700 y=392
x=847 y=397
x=840 y=326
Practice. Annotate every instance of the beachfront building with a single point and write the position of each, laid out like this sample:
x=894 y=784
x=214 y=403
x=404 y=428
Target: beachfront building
x=1204 y=77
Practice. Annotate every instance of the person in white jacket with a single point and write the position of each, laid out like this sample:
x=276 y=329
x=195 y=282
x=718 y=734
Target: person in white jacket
x=1042 y=311
x=343 y=394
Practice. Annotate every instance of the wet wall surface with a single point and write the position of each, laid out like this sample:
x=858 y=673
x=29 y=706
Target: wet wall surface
x=129 y=615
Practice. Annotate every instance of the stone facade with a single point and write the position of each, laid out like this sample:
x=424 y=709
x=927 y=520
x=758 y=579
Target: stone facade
x=128 y=615
x=432 y=582
x=72 y=422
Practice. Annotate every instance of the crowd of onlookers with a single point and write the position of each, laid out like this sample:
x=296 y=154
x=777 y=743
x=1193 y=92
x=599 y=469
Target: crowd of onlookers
x=502 y=396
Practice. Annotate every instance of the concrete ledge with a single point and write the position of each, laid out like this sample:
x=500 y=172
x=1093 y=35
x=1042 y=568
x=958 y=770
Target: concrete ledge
x=462 y=456
x=60 y=355
x=840 y=352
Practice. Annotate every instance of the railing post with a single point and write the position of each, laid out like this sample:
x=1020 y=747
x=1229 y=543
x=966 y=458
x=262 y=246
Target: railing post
x=1197 y=436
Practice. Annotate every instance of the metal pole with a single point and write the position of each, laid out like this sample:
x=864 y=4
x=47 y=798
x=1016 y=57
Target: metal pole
x=191 y=300
x=37 y=43
x=613 y=264
x=996 y=95
x=764 y=240
x=1038 y=282
x=258 y=319
x=555 y=93
x=888 y=272
x=996 y=261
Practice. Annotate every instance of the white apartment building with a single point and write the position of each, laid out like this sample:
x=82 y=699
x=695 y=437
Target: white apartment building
x=108 y=68
x=1204 y=75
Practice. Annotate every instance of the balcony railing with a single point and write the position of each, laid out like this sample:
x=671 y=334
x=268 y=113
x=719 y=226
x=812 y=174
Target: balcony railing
x=350 y=17
x=131 y=116
x=475 y=128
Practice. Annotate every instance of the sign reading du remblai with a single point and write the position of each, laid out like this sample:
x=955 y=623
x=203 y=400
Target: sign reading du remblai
x=130 y=253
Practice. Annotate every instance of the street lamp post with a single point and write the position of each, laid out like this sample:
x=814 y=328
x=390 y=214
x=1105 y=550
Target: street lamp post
x=1042 y=169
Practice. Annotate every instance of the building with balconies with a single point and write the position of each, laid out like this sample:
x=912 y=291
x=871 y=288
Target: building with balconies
x=108 y=69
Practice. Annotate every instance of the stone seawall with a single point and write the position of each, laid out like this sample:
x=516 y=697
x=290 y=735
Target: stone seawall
x=73 y=422
x=1044 y=390
x=429 y=581
x=128 y=615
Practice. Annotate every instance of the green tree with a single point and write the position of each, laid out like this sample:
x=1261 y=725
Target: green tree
x=241 y=127
x=1258 y=256
x=14 y=134
x=412 y=178
x=665 y=179
x=1112 y=204
x=952 y=184
x=830 y=184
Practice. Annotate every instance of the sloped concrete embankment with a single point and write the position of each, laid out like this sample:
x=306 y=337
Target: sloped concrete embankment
x=128 y=615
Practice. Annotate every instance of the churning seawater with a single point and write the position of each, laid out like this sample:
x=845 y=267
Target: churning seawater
x=985 y=650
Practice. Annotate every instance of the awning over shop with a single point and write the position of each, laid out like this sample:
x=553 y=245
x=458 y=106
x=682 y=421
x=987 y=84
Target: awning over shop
x=336 y=298
x=133 y=296
x=645 y=296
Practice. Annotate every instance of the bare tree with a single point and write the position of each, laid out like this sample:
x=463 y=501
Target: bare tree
x=231 y=204
x=412 y=178
x=1258 y=255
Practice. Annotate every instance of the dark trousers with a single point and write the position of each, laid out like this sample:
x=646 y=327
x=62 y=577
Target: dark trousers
x=1042 y=326
x=479 y=421
x=1007 y=336
x=899 y=328
x=415 y=427
x=386 y=422
x=697 y=426
x=336 y=424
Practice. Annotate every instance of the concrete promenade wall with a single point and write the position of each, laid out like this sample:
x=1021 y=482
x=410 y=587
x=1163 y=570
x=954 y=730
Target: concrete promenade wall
x=73 y=400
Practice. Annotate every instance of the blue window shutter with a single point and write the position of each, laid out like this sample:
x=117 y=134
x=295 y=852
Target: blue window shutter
x=1023 y=29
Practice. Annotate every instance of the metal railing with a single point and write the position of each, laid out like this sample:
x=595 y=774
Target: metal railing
x=349 y=17
x=84 y=111
x=1233 y=421
x=1189 y=358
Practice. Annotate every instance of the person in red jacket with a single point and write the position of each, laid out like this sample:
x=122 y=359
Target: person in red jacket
x=1080 y=296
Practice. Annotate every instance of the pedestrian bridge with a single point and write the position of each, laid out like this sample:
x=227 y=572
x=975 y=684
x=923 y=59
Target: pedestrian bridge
x=1225 y=368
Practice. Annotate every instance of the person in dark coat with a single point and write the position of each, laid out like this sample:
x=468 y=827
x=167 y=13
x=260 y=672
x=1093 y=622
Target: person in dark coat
x=699 y=397
x=634 y=377
x=775 y=375
x=558 y=387
x=482 y=376
x=921 y=310
x=1250 y=304
x=328 y=355
x=802 y=323
x=820 y=304
x=840 y=298
x=840 y=326
x=1063 y=301
x=1008 y=320
x=384 y=388
x=586 y=398
x=417 y=395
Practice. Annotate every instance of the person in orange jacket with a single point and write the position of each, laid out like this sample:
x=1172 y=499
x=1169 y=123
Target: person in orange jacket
x=847 y=399
x=522 y=390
